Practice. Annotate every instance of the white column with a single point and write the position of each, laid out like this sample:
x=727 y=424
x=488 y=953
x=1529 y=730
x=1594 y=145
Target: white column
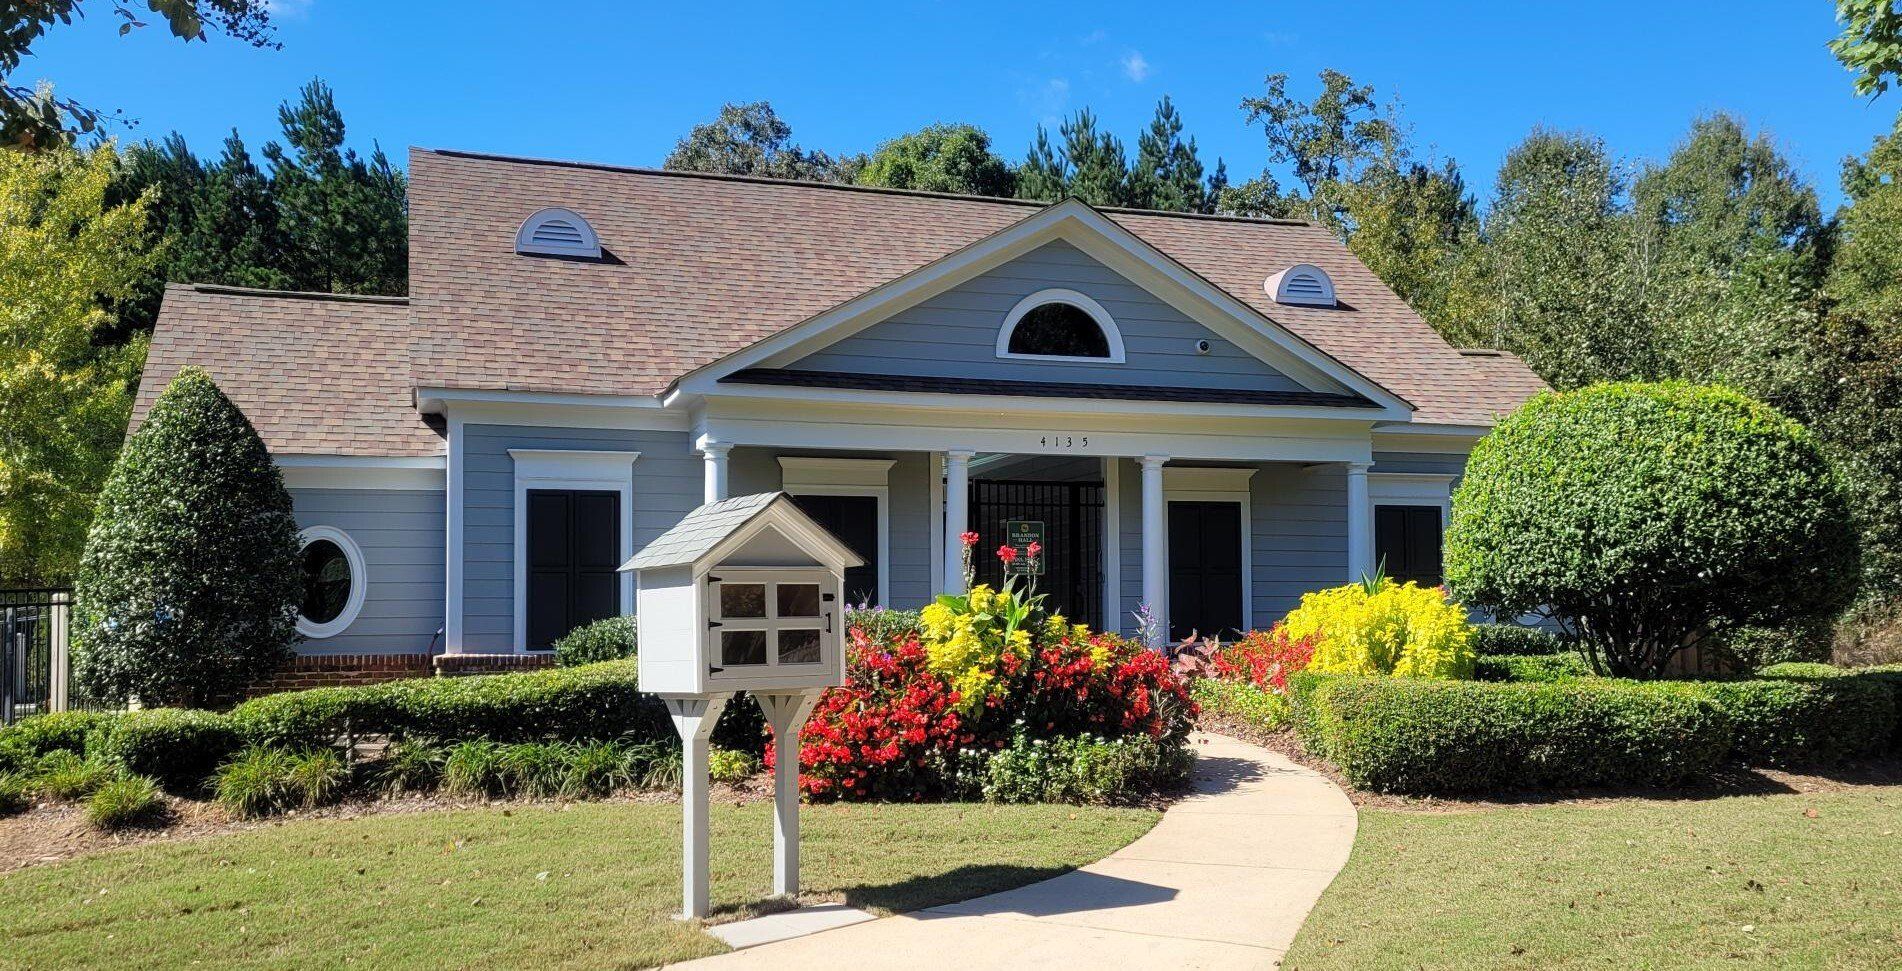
x=715 y=453
x=786 y=713
x=1360 y=523
x=1155 y=545
x=957 y=515
x=694 y=718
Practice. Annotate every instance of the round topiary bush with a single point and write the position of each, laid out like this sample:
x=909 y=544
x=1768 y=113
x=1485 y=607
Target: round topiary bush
x=1645 y=518
x=612 y=639
x=189 y=586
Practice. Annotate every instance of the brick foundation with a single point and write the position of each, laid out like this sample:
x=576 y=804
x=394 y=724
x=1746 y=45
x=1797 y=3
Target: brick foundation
x=350 y=670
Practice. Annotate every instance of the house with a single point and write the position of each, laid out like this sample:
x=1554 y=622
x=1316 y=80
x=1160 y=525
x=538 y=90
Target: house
x=1207 y=415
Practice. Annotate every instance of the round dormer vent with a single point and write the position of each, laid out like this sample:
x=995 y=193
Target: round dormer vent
x=557 y=232
x=1301 y=285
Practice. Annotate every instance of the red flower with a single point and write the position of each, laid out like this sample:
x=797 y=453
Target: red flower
x=1033 y=549
x=1007 y=553
x=970 y=539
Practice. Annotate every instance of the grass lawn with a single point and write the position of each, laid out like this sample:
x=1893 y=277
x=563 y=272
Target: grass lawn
x=1800 y=881
x=589 y=886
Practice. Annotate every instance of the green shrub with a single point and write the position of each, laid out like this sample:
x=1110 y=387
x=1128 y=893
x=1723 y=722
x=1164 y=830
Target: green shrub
x=315 y=717
x=411 y=767
x=1644 y=515
x=1243 y=702
x=1492 y=640
x=261 y=780
x=883 y=625
x=57 y=731
x=1378 y=626
x=189 y=588
x=1084 y=770
x=64 y=775
x=16 y=793
x=179 y=747
x=474 y=768
x=1800 y=669
x=597 y=769
x=1536 y=667
x=613 y=639
x=1806 y=721
x=133 y=800
x=729 y=766
x=596 y=701
x=1420 y=736
x=534 y=769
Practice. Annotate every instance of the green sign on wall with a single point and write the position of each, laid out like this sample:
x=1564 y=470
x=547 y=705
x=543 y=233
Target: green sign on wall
x=1019 y=534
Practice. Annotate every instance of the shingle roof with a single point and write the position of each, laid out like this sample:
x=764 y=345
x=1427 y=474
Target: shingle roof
x=702 y=266
x=316 y=374
x=702 y=530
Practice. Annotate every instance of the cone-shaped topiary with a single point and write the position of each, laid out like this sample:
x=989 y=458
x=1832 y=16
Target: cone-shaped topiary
x=1647 y=518
x=189 y=586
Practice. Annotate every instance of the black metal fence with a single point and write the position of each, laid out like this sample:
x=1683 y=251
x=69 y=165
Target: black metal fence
x=35 y=668
x=1072 y=514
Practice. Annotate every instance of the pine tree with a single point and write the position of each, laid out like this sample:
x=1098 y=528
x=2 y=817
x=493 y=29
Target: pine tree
x=1043 y=176
x=342 y=217
x=1167 y=174
x=1099 y=171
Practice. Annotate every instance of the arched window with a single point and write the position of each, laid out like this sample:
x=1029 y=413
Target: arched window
x=557 y=232
x=1301 y=285
x=334 y=582
x=1060 y=325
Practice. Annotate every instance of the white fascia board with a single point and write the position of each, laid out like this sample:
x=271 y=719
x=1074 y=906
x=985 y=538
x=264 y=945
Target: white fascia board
x=434 y=400
x=421 y=473
x=566 y=414
x=987 y=403
x=1104 y=240
x=1435 y=439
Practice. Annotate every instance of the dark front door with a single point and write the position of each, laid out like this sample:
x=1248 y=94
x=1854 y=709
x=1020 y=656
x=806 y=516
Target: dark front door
x=1072 y=517
x=1205 y=569
x=1407 y=543
x=854 y=520
x=574 y=549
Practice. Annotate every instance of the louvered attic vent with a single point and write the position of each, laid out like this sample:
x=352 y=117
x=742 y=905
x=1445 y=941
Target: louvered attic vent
x=1301 y=285
x=557 y=232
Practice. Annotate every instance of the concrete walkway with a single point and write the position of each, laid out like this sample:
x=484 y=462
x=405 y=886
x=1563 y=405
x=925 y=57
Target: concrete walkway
x=1223 y=881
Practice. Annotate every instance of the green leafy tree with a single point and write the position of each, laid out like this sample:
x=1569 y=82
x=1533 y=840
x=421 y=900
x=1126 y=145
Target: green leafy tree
x=343 y=218
x=941 y=158
x=1414 y=227
x=1328 y=142
x=1865 y=275
x=34 y=118
x=751 y=139
x=1168 y=173
x=1650 y=518
x=1871 y=42
x=65 y=252
x=189 y=588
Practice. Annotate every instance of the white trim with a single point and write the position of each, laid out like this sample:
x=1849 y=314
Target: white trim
x=361 y=472
x=430 y=399
x=1104 y=240
x=1413 y=489
x=1436 y=439
x=1104 y=322
x=452 y=539
x=1189 y=484
x=1360 y=523
x=1112 y=544
x=957 y=516
x=807 y=476
x=1025 y=404
x=1155 y=549
x=602 y=470
x=1276 y=286
x=359 y=581
x=935 y=512
x=588 y=246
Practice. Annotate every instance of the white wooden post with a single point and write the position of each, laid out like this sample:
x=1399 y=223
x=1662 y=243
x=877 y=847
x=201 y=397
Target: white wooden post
x=715 y=454
x=60 y=688
x=786 y=713
x=1155 y=546
x=957 y=515
x=1360 y=528
x=694 y=717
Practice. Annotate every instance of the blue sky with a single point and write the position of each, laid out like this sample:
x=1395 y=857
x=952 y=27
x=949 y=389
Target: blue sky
x=614 y=82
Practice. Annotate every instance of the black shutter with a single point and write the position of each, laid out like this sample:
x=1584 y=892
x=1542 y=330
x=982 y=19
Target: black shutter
x=1407 y=543
x=574 y=545
x=1205 y=569
x=854 y=520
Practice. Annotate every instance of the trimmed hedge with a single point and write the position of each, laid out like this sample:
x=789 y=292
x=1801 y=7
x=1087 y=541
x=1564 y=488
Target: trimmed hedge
x=57 y=731
x=611 y=639
x=1535 y=667
x=1493 y=640
x=1418 y=736
x=181 y=748
x=1808 y=721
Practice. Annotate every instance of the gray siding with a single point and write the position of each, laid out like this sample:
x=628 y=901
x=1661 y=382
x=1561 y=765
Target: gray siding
x=912 y=518
x=401 y=535
x=955 y=334
x=1434 y=463
x=668 y=484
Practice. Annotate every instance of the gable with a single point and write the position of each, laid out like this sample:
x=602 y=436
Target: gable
x=955 y=334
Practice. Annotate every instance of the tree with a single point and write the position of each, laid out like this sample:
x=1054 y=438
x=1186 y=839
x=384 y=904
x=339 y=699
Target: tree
x=1328 y=142
x=941 y=158
x=32 y=118
x=750 y=139
x=1871 y=42
x=1168 y=172
x=343 y=219
x=1090 y=166
x=1865 y=275
x=1413 y=227
x=65 y=252
x=1647 y=519
x=189 y=588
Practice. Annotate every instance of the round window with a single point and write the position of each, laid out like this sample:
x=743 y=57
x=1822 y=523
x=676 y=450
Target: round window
x=332 y=571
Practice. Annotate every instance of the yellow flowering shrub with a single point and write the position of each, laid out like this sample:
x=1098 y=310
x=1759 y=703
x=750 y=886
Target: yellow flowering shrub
x=1384 y=627
x=970 y=639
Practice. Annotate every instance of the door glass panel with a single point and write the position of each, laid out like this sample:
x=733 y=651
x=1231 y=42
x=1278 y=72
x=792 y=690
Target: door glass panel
x=742 y=647
x=799 y=647
x=798 y=600
x=742 y=599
